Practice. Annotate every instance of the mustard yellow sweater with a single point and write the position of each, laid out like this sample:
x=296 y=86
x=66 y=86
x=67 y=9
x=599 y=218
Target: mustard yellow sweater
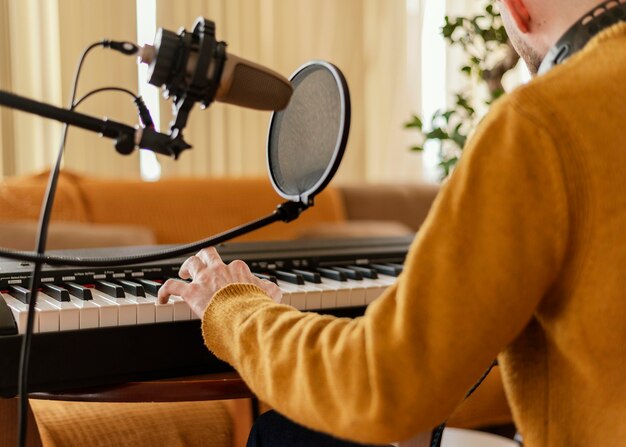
x=523 y=256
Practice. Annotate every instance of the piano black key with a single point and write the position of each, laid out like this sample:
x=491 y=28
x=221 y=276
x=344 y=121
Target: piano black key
x=56 y=292
x=352 y=274
x=332 y=274
x=152 y=287
x=80 y=292
x=271 y=278
x=365 y=271
x=20 y=293
x=400 y=267
x=388 y=269
x=289 y=277
x=111 y=289
x=132 y=288
x=7 y=322
x=308 y=276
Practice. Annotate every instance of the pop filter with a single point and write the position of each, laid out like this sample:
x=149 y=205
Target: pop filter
x=307 y=139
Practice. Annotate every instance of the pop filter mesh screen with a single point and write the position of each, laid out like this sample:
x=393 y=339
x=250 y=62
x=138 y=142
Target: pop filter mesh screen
x=305 y=136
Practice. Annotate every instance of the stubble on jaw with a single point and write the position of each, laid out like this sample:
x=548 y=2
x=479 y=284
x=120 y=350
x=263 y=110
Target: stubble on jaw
x=529 y=55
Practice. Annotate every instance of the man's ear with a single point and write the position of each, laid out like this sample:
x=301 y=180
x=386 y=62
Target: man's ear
x=519 y=14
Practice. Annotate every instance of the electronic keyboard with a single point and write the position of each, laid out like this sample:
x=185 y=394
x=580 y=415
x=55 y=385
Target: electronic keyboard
x=102 y=326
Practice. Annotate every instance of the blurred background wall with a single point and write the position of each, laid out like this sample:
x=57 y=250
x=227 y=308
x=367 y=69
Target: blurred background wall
x=389 y=50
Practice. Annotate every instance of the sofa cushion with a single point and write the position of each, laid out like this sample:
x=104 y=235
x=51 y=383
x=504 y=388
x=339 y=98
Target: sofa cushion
x=21 y=235
x=355 y=229
x=21 y=198
x=405 y=203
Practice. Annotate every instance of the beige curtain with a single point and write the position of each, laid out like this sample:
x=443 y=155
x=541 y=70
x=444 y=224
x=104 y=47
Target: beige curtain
x=7 y=156
x=369 y=40
x=42 y=40
x=366 y=39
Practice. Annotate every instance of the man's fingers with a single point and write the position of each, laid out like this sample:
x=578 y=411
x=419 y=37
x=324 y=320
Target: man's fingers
x=240 y=271
x=191 y=267
x=209 y=256
x=171 y=287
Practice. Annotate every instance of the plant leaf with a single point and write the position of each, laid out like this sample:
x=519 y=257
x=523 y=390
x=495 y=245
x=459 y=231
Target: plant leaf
x=414 y=123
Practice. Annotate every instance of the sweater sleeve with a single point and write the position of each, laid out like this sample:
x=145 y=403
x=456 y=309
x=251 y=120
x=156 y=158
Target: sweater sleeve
x=477 y=270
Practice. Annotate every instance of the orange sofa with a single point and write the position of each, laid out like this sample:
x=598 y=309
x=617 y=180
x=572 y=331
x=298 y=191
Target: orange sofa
x=172 y=211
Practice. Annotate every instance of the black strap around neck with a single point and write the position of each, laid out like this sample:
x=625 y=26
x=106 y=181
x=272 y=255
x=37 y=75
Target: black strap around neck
x=601 y=17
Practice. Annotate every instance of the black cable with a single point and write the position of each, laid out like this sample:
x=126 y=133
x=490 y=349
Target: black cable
x=105 y=89
x=142 y=109
x=437 y=434
x=42 y=235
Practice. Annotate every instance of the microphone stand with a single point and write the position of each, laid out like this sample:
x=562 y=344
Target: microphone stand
x=126 y=137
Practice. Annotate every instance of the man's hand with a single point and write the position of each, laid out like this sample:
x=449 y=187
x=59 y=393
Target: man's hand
x=209 y=274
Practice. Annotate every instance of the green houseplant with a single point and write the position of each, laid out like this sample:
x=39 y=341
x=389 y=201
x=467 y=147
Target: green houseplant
x=489 y=55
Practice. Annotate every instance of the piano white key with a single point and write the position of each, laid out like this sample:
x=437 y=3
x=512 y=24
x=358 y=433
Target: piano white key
x=49 y=317
x=357 y=293
x=164 y=312
x=307 y=296
x=386 y=279
x=384 y=282
x=89 y=314
x=350 y=293
x=373 y=289
x=296 y=297
x=126 y=310
x=146 y=312
x=312 y=297
x=182 y=311
x=69 y=315
x=107 y=312
x=329 y=296
x=342 y=290
x=20 y=313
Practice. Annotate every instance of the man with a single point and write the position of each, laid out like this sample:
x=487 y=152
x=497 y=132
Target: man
x=521 y=257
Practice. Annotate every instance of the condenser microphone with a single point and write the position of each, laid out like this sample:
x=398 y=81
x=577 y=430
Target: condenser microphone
x=247 y=84
x=195 y=66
